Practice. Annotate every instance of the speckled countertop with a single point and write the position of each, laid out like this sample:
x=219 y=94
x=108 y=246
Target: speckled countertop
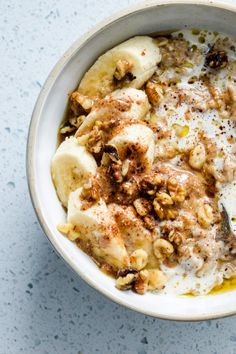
x=44 y=307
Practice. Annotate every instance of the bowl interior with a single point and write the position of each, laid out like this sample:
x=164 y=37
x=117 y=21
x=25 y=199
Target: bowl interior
x=43 y=141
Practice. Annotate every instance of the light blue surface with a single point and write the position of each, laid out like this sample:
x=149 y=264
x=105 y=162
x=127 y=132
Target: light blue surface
x=44 y=307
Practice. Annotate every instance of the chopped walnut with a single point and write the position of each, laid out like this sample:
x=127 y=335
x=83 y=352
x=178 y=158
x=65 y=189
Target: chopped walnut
x=171 y=214
x=142 y=206
x=65 y=228
x=115 y=171
x=162 y=249
x=229 y=168
x=210 y=147
x=164 y=198
x=67 y=129
x=151 y=279
x=175 y=53
x=156 y=279
x=130 y=188
x=77 y=121
x=122 y=68
x=154 y=92
x=70 y=126
x=205 y=215
x=95 y=141
x=141 y=283
x=161 y=41
x=150 y=222
x=77 y=98
x=68 y=230
x=176 y=237
x=177 y=191
x=91 y=191
x=166 y=152
x=139 y=259
x=224 y=102
x=158 y=209
x=150 y=183
x=126 y=282
x=83 y=140
x=197 y=157
x=164 y=211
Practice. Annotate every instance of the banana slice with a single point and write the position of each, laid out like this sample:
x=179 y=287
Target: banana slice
x=138 y=57
x=139 y=139
x=72 y=165
x=98 y=231
x=134 y=234
x=137 y=99
x=135 y=102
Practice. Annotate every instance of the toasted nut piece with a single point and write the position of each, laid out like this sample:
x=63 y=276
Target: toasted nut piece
x=122 y=68
x=142 y=206
x=157 y=179
x=77 y=121
x=162 y=249
x=172 y=184
x=205 y=215
x=162 y=41
x=154 y=92
x=68 y=230
x=130 y=188
x=158 y=209
x=156 y=279
x=164 y=198
x=115 y=171
x=177 y=191
x=176 y=237
x=65 y=228
x=84 y=101
x=125 y=283
x=141 y=283
x=83 y=140
x=138 y=259
x=73 y=235
x=147 y=185
x=125 y=271
x=95 y=142
x=150 y=222
x=66 y=130
x=229 y=169
x=171 y=214
x=91 y=191
x=197 y=157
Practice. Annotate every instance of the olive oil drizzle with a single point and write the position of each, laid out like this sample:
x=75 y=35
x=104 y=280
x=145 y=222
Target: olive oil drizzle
x=226 y=286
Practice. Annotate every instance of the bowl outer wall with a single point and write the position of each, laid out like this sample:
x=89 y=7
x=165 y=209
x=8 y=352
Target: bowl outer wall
x=166 y=307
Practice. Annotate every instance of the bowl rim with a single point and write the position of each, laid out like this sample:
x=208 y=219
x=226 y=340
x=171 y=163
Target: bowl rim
x=33 y=128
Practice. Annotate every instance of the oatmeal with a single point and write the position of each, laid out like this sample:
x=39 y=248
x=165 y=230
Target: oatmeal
x=147 y=164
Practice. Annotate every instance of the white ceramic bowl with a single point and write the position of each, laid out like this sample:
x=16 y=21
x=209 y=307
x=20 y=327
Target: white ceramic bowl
x=148 y=17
